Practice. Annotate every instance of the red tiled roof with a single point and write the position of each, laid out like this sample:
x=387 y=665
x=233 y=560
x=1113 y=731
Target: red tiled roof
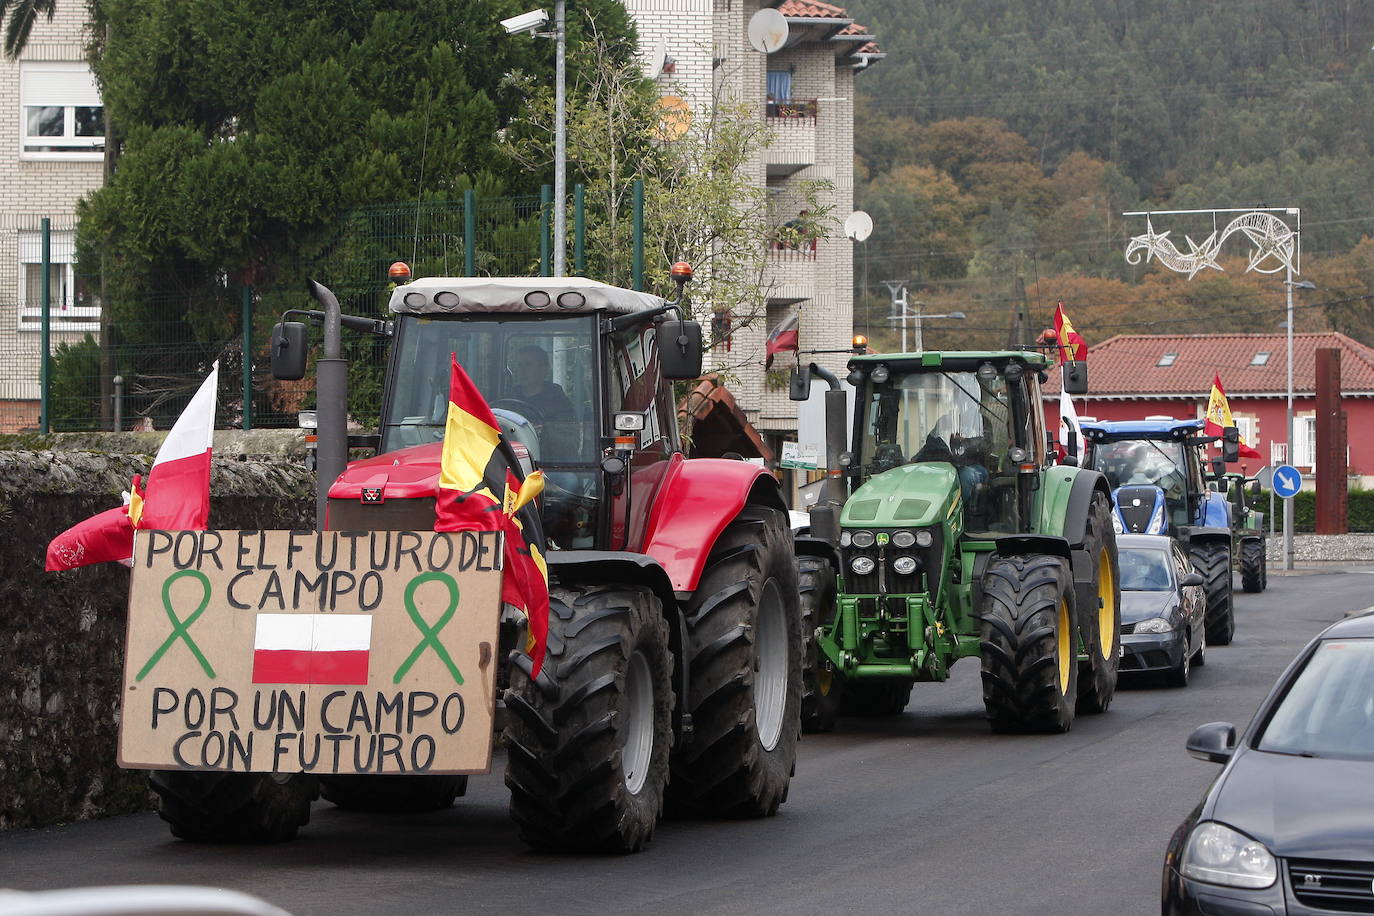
x=1128 y=365
x=811 y=9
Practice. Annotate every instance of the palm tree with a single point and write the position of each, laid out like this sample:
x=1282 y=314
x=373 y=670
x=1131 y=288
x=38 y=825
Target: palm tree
x=22 y=15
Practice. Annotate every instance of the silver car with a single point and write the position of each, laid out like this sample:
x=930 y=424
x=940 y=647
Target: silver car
x=1163 y=605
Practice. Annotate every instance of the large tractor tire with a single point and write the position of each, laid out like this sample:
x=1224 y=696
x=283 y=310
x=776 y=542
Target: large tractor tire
x=214 y=807
x=1254 y=568
x=1212 y=558
x=875 y=698
x=393 y=793
x=820 y=686
x=746 y=656
x=588 y=742
x=1101 y=618
x=1027 y=626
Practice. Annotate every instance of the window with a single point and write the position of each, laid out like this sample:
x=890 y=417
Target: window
x=1304 y=441
x=1167 y=359
x=779 y=85
x=1248 y=428
x=73 y=306
x=61 y=116
x=1259 y=359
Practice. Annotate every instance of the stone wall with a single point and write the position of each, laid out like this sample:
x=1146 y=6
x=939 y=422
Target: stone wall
x=62 y=634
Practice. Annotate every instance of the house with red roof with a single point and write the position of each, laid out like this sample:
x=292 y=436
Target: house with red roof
x=1134 y=376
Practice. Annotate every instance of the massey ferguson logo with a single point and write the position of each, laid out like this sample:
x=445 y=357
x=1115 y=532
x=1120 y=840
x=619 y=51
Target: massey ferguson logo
x=372 y=494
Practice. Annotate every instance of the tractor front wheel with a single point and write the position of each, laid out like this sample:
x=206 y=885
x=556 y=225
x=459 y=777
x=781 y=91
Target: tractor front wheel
x=1212 y=558
x=1027 y=632
x=746 y=655
x=1254 y=568
x=588 y=742
x=820 y=685
x=1101 y=612
x=216 y=807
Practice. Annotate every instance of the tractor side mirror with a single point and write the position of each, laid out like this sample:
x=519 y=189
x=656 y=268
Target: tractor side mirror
x=799 y=384
x=1230 y=444
x=1255 y=488
x=679 y=349
x=288 y=350
x=1219 y=472
x=1075 y=378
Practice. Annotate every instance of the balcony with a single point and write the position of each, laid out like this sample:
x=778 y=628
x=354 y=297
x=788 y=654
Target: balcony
x=790 y=273
x=793 y=122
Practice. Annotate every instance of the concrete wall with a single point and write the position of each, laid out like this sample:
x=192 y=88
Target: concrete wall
x=62 y=634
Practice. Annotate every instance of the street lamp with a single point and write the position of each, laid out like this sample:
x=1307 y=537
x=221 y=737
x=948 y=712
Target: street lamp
x=530 y=22
x=1289 y=285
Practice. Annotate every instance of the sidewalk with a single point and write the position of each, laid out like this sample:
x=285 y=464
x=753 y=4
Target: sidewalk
x=1322 y=548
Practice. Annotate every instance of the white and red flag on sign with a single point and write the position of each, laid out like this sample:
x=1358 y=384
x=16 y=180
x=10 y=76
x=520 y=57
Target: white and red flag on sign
x=312 y=648
x=176 y=496
x=783 y=337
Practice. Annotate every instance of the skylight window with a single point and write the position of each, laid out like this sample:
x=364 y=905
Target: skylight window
x=1167 y=359
x=1261 y=358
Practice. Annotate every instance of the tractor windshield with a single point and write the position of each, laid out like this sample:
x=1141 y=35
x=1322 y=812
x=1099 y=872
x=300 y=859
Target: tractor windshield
x=937 y=416
x=538 y=376
x=1143 y=462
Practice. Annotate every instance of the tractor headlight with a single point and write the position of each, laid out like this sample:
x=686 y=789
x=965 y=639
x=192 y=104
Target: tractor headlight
x=862 y=565
x=1154 y=625
x=1219 y=855
x=924 y=539
x=904 y=566
x=862 y=539
x=845 y=537
x=1116 y=524
x=903 y=539
x=1156 y=525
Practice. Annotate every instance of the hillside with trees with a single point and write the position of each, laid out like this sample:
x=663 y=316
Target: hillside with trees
x=1000 y=141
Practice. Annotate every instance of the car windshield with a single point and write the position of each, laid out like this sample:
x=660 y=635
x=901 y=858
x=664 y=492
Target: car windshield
x=1329 y=709
x=537 y=375
x=1144 y=569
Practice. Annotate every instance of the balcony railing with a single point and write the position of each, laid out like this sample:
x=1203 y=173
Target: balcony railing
x=793 y=108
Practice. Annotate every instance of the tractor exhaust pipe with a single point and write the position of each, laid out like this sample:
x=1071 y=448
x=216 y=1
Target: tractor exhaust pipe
x=331 y=402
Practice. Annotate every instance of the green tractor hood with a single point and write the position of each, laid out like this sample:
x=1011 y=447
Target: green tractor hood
x=911 y=496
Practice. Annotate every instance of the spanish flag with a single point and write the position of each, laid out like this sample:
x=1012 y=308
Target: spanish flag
x=1219 y=416
x=1072 y=346
x=481 y=488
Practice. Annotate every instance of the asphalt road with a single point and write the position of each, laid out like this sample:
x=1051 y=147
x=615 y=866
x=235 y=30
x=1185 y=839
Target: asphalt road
x=920 y=813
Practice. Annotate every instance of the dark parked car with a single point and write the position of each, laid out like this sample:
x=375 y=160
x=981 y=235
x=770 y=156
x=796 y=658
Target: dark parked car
x=1288 y=825
x=1163 y=608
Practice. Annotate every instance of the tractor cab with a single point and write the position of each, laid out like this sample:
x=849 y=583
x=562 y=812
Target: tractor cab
x=971 y=423
x=1163 y=455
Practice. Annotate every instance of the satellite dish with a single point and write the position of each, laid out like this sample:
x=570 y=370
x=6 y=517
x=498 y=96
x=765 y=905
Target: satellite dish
x=656 y=59
x=767 y=31
x=858 y=225
x=674 y=118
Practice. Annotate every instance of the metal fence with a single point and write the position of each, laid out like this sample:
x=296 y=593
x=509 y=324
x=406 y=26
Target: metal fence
x=80 y=364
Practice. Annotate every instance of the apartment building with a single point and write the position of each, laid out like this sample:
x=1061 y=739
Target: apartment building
x=51 y=156
x=804 y=91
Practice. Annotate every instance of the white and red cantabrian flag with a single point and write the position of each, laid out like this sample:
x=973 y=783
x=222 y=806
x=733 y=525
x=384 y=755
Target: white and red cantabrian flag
x=312 y=648
x=178 y=486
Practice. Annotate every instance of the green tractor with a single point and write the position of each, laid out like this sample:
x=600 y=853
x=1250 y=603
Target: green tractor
x=1247 y=531
x=961 y=537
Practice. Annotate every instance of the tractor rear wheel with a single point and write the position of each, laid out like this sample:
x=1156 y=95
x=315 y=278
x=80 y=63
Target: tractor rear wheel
x=588 y=742
x=875 y=698
x=1212 y=558
x=216 y=807
x=1027 y=627
x=1254 y=570
x=820 y=685
x=746 y=656
x=1101 y=617
x=393 y=793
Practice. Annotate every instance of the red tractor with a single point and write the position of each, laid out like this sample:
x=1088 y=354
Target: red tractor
x=675 y=650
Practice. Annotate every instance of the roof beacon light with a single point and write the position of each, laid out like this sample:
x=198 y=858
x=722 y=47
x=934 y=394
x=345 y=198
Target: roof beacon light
x=860 y=343
x=681 y=272
x=398 y=272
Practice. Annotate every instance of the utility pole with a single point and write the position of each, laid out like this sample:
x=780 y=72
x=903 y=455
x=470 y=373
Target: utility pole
x=897 y=290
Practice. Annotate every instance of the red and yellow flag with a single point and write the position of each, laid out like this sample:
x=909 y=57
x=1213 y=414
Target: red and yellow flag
x=480 y=489
x=1219 y=416
x=1071 y=343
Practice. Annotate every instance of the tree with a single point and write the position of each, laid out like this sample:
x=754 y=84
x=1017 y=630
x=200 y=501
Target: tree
x=22 y=15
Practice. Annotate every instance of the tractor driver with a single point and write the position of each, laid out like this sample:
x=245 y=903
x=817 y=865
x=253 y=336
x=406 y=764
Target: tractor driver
x=548 y=405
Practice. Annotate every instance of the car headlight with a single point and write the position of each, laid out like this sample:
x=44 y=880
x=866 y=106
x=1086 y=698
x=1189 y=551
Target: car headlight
x=862 y=539
x=904 y=566
x=903 y=539
x=1153 y=625
x=1219 y=855
x=923 y=539
x=1116 y=524
x=862 y=565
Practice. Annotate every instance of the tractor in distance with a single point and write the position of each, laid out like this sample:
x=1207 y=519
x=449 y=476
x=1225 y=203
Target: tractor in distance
x=1247 y=531
x=674 y=660
x=959 y=537
x=1158 y=471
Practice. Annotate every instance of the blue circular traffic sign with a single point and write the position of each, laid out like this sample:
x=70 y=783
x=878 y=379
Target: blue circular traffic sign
x=1287 y=481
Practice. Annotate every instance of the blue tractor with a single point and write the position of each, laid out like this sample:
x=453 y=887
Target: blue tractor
x=1158 y=473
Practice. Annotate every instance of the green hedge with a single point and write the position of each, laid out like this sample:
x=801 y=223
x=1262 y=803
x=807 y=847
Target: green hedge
x=1360 y=511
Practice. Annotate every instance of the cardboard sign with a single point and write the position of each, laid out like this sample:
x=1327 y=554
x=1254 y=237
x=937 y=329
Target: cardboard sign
x=298 y=651
x=799 y=456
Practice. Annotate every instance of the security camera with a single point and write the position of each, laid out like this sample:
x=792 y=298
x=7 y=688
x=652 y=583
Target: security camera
x=525 y=22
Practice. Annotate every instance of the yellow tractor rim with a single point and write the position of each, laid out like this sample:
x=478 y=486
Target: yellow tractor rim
x=825 y=682
x=1065 y=646
x=1106 y=605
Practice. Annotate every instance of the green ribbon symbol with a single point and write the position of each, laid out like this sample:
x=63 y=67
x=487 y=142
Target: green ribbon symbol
x=430 y=635
x=181 y=628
